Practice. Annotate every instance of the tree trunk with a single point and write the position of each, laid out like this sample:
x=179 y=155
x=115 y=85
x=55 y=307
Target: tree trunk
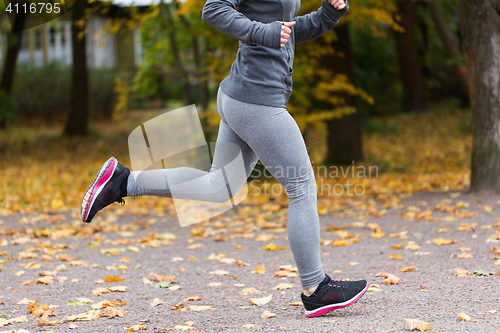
x=77 y=123
x=9 y=65
x=480 y=26
x=168 y=25
x=450 y=43
x=344 y=134
x=409 y=60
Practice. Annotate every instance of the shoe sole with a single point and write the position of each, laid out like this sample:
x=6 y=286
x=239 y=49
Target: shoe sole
x=325 y=309
x=104 y=174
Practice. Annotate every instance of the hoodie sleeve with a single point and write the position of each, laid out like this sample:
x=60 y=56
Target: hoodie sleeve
x=222 y=14
x=317 y=23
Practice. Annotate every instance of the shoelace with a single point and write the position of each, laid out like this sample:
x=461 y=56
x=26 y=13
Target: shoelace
x=339 y=284
x=121 y=201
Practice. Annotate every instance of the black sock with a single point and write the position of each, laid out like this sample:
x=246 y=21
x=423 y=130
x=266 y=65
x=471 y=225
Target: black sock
x=324 y=282
x=123 y=188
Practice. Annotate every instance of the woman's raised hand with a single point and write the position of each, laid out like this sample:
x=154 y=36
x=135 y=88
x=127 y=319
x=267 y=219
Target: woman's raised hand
x=286 y=31
x=339 y=4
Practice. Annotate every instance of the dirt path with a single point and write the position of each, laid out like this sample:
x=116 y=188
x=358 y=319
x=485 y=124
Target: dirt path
x=430 y=292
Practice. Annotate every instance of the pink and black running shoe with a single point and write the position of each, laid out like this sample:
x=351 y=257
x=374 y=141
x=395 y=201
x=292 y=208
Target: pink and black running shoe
x=105 y=189
x=333 y=294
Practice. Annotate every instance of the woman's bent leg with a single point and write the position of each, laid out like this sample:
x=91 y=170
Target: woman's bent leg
x=194 y=184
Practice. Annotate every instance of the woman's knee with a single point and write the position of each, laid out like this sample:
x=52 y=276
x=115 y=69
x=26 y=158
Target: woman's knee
x=302 y=187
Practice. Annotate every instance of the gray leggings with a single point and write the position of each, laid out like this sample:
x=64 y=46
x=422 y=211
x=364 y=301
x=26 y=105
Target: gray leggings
x=271 y=135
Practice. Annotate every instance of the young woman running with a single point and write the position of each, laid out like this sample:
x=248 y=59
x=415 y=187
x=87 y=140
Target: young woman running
x=251 y=102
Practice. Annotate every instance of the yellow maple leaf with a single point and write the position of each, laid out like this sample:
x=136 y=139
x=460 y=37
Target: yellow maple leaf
x=259 y=270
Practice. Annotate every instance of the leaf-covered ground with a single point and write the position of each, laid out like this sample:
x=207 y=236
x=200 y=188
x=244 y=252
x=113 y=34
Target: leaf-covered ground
x=429 y=250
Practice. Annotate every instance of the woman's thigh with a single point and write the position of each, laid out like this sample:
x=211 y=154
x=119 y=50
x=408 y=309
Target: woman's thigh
x=273 y=135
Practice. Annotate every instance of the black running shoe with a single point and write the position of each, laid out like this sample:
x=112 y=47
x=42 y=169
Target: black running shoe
x=334 y=295
x=105 y=189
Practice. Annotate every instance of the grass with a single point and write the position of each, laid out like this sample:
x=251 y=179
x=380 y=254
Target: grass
x=45 y=172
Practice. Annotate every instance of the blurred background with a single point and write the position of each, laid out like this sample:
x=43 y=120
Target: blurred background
x=388 y=87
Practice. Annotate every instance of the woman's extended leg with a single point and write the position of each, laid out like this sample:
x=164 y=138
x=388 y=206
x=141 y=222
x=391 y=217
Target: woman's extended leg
x=274 y=136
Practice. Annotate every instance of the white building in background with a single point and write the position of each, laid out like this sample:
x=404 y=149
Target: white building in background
x=52 y=42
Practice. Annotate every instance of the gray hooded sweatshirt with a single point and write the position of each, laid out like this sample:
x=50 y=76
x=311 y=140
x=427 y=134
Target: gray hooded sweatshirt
x=262 y=71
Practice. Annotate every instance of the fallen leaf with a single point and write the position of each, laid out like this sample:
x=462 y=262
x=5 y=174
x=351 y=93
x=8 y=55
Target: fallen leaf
x=481 y=272
x=194 y=246
x=45 y=280
x=441 y=241
x=163 y=285
x=220 y=272
x=395 y=257
x=178 y=307
x=460 y=272
x=487 y=208
x=25 y=301
x=378 y=233
x=259 y=270
x=118 y=289
x=332 y=227
x=32 y=265
x=90 y=315
x=267 y=314
x=272 y=247
x=192 y=299
x=262 y=300
x=21 y=319
x=282 y=286
x=390 y=278
x=80 y=263
x=163 y=278
x=374 y=288
x=406 y=269
x=239 y=262
x=412 y=247
x=145 y=280
x=110 y=278
x=220 y=238
x=112 y=312
x=135 y=328
x=200 y=307
x=156 y=302
x=464 y=316
x=100 y=291
x=174 y=287
x=84 y=300
x=249 y=291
